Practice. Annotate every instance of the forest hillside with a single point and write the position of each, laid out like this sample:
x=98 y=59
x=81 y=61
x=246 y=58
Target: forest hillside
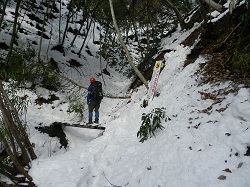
x=193 y=132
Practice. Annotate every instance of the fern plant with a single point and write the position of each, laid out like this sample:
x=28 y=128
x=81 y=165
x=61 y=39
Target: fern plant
x=151 y=122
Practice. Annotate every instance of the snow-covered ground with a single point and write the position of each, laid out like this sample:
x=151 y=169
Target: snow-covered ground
x=202 y=145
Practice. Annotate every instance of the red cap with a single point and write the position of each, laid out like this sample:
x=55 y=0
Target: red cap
x=92 y=79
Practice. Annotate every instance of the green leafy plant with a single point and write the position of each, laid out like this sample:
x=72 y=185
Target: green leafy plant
x=76 y=107
x=241 y=61
x=151 y=122
x=24 y=68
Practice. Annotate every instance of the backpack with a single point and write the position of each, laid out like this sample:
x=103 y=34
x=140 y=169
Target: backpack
x=97 y=93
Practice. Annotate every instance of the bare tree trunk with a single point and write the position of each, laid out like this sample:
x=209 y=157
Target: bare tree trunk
x=81 y=26
x=14 y=139
x=13 y=158
x=69 y=15
x=10 y=172
x=138 y=73
x=231 y=6
x=78 y=32
x=178 y=14
x=41 y=37
x=83 y=43
x=13 y=115
x=203 y=13
x=12 y=131
x=214 y=5
x=60 y=20
x=82 y=23
x=3 y=12
x=14 y=31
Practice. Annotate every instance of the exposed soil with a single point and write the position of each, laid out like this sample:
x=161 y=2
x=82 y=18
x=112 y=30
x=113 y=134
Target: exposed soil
x=55 y=130
x=74 y=63
x=41 y=100
x=4 y=46
x=248 y=152
x=218 y=43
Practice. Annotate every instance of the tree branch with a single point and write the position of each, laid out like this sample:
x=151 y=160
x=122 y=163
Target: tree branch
x=214 y=5
x=83 y=87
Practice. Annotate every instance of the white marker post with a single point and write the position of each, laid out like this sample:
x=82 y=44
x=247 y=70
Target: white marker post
x=154 y=80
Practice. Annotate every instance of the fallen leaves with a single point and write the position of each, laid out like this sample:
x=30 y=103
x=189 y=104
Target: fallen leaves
x=222 y=177
x=227 y=170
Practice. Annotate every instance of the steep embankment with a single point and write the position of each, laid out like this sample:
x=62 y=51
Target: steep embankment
x=220 y=41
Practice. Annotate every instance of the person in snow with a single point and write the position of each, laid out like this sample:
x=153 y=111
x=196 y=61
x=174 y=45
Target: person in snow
x=94 y=99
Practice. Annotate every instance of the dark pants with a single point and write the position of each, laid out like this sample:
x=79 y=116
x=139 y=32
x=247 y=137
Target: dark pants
x=94 y=105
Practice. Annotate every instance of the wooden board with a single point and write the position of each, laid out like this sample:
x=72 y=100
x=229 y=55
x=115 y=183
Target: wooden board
x=93 y=126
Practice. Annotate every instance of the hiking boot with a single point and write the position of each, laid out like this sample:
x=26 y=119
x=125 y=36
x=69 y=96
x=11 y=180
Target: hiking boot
x=96 y=121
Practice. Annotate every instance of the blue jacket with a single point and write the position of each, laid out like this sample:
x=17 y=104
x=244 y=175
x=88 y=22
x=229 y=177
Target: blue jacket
x=89 y=93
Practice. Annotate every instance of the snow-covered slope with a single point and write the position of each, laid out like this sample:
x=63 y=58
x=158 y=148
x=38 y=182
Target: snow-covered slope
x=204 y=142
